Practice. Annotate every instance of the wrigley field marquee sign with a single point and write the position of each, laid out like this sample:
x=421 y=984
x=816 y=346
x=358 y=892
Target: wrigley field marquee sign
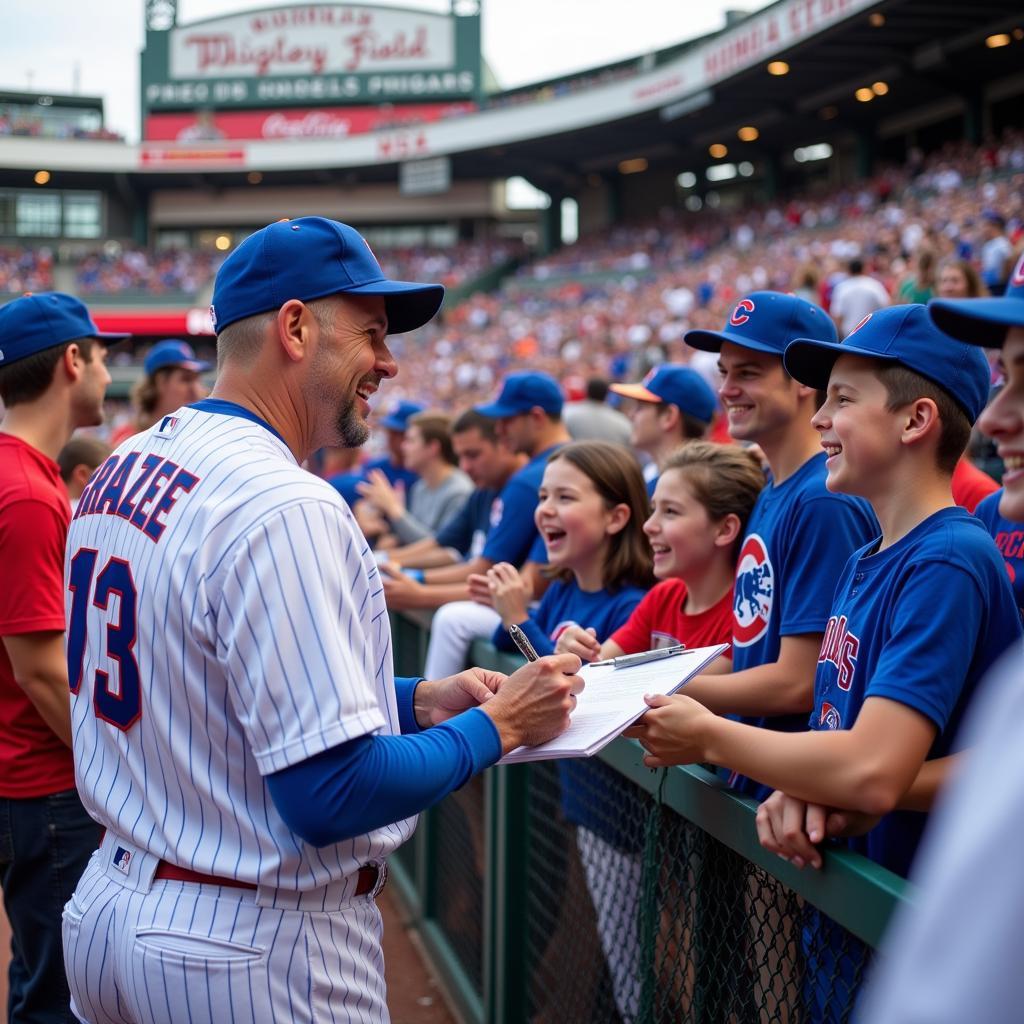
x=313 y=54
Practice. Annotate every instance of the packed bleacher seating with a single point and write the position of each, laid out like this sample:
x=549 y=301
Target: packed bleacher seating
x=25 y=270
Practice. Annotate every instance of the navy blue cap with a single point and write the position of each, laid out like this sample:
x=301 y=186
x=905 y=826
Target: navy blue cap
x=311 y=258
x=676 y=385
x=522 y=392
x=904 y=335
x=767 y=322
x=172 y=352
x=36 y=322
x=399 y=413
x=983 y=321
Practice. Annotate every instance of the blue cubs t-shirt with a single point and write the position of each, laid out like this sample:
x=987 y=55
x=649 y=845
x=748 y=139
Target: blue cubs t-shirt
x=919 y=623
x=564 y=605
x=1009 y=538
x=515 y=533
x=799 y=538
x=396 y=474
x=466 y=532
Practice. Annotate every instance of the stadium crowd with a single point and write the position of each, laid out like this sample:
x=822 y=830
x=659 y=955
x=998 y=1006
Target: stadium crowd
x=709 y=519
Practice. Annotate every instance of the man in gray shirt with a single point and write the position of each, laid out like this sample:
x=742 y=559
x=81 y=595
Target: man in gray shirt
x=593 y=419
x=436 y=496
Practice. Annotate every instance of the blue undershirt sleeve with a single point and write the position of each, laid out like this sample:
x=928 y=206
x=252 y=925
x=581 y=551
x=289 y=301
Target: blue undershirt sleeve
x=405 y=688
x=373 y=781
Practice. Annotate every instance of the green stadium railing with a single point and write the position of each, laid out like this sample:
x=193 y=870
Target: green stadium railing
x=599 y=890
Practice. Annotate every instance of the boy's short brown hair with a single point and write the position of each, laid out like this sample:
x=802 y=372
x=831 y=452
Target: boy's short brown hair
x=903 y=386
x=28 y=378
x=436 y=426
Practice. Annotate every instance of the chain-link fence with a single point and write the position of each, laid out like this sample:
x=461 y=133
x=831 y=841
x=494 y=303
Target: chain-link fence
x=599 y=891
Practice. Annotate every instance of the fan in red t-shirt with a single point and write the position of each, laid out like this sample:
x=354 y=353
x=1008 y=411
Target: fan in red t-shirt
x=702 y=502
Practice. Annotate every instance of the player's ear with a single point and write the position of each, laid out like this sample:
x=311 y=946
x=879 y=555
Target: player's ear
x=294 y=329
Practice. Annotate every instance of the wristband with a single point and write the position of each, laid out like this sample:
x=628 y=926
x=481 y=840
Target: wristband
x=416 y=575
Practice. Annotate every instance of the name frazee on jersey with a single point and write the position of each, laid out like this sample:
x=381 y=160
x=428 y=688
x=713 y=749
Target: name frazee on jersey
x=225 y=620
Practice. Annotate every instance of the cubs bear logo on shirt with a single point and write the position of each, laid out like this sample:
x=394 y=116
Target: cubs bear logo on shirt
x=754 y=591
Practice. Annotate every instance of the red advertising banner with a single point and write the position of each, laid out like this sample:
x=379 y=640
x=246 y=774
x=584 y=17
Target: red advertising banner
x=310 y=123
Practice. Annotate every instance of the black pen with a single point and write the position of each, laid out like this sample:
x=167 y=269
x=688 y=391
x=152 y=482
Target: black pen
x=522 y=641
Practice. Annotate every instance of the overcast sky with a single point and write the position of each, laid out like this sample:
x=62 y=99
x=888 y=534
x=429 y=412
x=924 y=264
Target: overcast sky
x=43 y=41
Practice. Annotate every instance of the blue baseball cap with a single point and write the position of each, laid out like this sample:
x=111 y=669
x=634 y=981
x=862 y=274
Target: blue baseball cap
x=767 y=322
x=36 y=322
x=172 y=352
x=311 y=258
x=675 y=385
x=904 y=335
x=399 y=413
x=983 y=321
x=522 y=392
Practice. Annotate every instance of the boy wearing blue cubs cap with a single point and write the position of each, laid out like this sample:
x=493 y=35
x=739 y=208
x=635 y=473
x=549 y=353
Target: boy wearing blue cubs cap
x=52 y=381
x=672 y=405
x=800 y=534
x=918 y=615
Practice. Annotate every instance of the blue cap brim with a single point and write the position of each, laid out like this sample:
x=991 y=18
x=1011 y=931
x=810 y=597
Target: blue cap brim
x=977 y=321
x=711 y=341
x=391 y=423
x=408 y=305
x=810 y=362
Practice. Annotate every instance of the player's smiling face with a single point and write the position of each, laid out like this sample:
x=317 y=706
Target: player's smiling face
x=351 y=359
x=859 y=433
x=574 y=519
x=680 y=531
x=1003 y=421
x=760 y=399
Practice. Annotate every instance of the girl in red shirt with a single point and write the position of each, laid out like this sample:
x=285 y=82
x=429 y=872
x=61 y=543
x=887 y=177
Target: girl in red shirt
x=702 y=502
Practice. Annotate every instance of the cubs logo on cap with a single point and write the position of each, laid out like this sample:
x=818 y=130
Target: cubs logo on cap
x=779 y=319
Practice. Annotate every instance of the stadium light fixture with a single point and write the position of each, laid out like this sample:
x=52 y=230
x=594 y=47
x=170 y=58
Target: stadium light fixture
x=879 y=88
x=41 y=177
x=694 y=203
x=746 y=169
x=778 y=68
x=634 y=166
x=748 y=133
x=817 y=151
x=687 y=179
x=1018 y=34
x=1000 y=39
x=864 y=94
x=717 y=150
x=254 y=177
x=222 y=242
x=721 y=172
x=876 y=19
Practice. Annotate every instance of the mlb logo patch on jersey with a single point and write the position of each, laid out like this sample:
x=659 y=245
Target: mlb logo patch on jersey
x=122 y=859
x=752 y=597
x=830 y=717
x=167 y=427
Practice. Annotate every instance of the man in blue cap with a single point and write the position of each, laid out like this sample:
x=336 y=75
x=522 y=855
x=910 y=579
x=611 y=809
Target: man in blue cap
x=171 y=379
x=242 y=737
x=52 y=381
x=799 y=536
x=672 y=405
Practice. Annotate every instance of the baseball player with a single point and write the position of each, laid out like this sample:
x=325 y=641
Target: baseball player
x=237 y=727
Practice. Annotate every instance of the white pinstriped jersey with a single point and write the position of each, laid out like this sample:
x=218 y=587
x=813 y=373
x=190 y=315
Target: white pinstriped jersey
x=226 y=620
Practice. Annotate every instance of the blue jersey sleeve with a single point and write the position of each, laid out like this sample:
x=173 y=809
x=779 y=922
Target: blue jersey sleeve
x=457 y=533
x=827 y=532
x=538 y=551
x=935 y=626
x=511 y=537
x=373 y=781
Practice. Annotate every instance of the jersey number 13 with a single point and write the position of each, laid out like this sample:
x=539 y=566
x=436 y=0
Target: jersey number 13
x=121 y=706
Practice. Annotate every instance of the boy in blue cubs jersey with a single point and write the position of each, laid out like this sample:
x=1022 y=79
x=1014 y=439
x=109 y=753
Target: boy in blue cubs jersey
x=799 y=535
x=918 y=615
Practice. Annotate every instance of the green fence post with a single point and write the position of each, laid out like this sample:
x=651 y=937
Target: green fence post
x=506 y=973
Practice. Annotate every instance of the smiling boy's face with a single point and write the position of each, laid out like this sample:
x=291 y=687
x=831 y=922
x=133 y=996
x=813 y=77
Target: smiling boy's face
x=1003 y=421
x=860 y=434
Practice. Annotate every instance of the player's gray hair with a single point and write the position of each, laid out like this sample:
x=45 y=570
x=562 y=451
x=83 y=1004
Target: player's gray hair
x=241 y=341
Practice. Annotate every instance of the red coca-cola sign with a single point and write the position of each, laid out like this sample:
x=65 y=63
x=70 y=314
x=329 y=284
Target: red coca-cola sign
x=308 y=123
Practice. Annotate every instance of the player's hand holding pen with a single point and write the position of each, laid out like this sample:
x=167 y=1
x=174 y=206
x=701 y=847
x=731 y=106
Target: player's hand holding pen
x=535 y=703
